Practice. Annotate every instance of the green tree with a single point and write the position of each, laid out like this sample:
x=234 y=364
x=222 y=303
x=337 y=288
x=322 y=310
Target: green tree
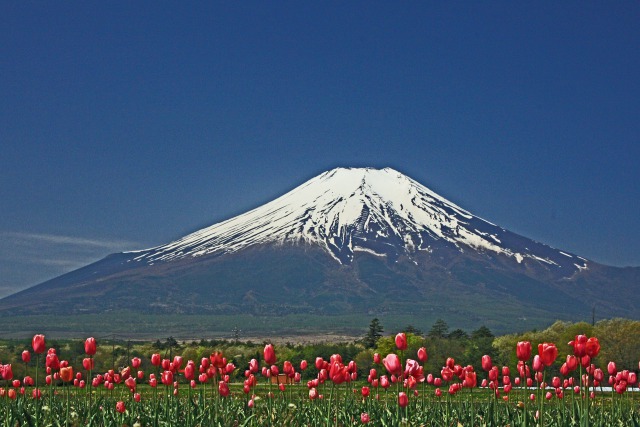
x=439 y=329
x=458 y=334
x=373 y=334
x=482 y=332
x=413 y=330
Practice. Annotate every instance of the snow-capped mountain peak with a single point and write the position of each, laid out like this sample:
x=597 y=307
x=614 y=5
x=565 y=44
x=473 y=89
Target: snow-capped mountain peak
x=346 y=210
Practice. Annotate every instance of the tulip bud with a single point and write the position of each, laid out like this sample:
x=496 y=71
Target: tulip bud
x=403 y=399
x=401 y=341
x=269 y=354
x=486 y=362
x=422 y=354
x=155 y=359
x=37 y=343
x=90 y=346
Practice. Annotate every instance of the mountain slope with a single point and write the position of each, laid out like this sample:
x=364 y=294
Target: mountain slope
x=382 y=212
x=366 y=241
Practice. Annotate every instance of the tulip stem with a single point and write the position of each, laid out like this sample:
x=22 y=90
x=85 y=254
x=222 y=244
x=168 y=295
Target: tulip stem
x=36 y=390
x=67 y=409
x=89 y=385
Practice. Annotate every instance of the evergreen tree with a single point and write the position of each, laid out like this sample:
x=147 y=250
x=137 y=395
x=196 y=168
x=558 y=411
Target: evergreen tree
x=373 y=334
x=439 y=329
x=413 y=330
x=482 y=332
x=458 y=334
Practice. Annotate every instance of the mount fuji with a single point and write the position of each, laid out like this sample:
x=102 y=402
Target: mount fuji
x=382 y=212
x=351 y=240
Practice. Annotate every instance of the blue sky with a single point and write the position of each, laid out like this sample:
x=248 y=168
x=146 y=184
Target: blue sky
x=128 y=124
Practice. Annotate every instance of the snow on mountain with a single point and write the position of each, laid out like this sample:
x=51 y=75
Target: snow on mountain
x=345 y=210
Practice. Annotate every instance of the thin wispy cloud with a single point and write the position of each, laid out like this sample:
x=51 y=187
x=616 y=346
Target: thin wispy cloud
x=67 y=240
x=30 y=258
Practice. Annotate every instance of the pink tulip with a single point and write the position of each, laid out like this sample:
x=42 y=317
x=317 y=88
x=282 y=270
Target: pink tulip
x=401 y=341
x=422 y=355
x=392 y=364
x=269 y=354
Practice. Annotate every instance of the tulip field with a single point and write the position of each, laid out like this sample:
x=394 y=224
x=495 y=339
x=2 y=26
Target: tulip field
x=397 y=390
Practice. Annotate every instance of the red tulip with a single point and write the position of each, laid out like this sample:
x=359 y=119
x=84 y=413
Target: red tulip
x=38 y=344
x=447 y=374
x=392 y=364
x=190 y=371
x=486 y=362
x=403 y=400
x=87 y=363
x=598 y=374
x=120 y=407
x=470 y=379
x=26 y=356
x=303 y=365
x=585 y=361
x=579 y=345
x=223 y=389
x=229 y=368
x=422 y=354
x=364 y=418
x=287 y=368
x=167 y=377
x=269 y=354
x=564 y=370
x=592 y=347
x=177 y=363
x=135 y=362
x=572 y=362
x=52 y=361
x=611 y=368
x=365 y=391
x=90 y=346
x=401 y=341
x=548 y=353
x=376 y=358
x=7 y=372
x=155 y=359
x=523 y=350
